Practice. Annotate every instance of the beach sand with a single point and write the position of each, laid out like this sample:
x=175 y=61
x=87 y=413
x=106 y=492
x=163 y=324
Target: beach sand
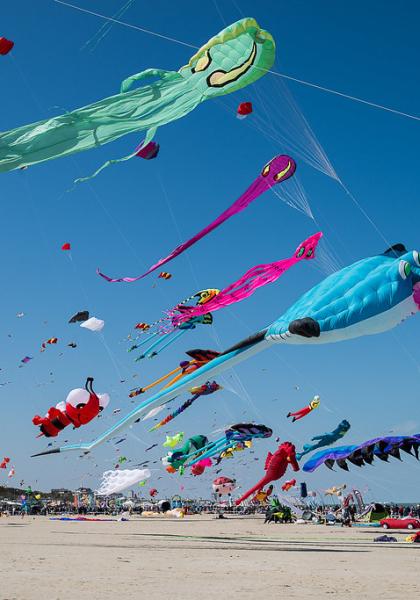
x=201 y=558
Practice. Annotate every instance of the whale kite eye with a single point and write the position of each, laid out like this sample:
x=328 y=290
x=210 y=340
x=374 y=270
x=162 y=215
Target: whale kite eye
x=404 y=269
x=266 y=170
x=416 y=257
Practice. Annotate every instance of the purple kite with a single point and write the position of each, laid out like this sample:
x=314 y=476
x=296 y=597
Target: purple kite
x=362 y=454
x=279 y=169
x=248 y=283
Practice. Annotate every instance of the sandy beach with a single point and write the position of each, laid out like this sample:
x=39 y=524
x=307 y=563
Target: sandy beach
x=200 y=557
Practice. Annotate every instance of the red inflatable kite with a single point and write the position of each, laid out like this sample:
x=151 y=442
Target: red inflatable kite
x=244 y=109
x=80 y=407
x=275 y=466
x=288 y=484
x=3 y=464
x=299 y=414
x=5 y=46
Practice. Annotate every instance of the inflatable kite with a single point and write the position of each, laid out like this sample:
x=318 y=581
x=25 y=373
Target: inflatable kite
x=153 y=492
x=262 y=496
x=4 y=462
x=253 y=279
x=335 y=490
x=361 y=454
x=174 y=461
x=148 y=152
x=277 y=170
x=199 y=467
x=80 y=407
x=223 y=486
x=326 y=439
x=5 y=46
x=233 y=59
x=368 y=297
x=244 y=110
x=202 y=390
x=288 y=484
x=305 y=411
x=173 y=440
x=275 y=467
x=114 y=482
x=236 y=447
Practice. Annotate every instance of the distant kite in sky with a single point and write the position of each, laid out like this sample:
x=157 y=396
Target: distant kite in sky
x=244 y=109
x=50 y=342
x=5 y=46
x=93 y=324
x=148 y=152
x=82 y=315
x=233 y=59
x=299 y=414
x=279 y=169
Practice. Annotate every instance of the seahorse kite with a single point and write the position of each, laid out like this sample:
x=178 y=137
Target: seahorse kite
x=234 y=58
x=368 y=297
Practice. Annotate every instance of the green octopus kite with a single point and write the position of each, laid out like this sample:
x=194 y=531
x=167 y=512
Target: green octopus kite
x=236 y=57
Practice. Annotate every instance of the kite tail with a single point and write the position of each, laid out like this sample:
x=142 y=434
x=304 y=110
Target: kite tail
x=149 y=136
x=148 y=354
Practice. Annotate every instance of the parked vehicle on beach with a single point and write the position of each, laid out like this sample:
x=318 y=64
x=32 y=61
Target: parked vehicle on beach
x=404 y=523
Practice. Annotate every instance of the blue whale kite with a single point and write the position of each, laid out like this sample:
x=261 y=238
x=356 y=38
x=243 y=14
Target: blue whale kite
x=370 y=296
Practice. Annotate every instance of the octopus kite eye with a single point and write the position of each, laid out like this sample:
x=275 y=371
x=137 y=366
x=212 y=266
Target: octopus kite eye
x=404 y=269
x=202 y=63
x=309 y=253
x=266 y=170
x=416 y=257
x=279 y=176
x=301 y=252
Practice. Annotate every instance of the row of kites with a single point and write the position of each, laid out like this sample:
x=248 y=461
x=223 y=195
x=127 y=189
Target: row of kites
x=368 y=297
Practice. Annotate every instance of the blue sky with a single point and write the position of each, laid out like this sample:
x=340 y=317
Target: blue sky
x=134 y=213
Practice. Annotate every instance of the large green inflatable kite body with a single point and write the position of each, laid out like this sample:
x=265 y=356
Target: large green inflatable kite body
x=236 y=57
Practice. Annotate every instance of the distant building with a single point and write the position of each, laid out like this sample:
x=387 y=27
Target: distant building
x=84 y=490
x=60 y=492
